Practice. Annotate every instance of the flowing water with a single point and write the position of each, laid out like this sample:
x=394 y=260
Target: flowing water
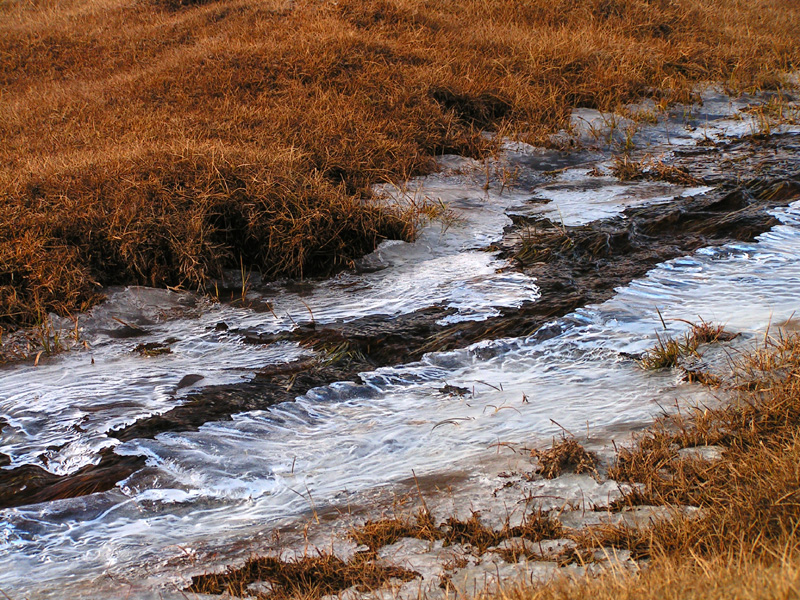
x=205 y=493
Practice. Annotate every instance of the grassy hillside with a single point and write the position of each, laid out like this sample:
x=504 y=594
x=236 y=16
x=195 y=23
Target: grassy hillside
x=160 y=141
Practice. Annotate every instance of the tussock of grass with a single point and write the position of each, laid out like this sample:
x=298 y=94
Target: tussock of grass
x=306 y=577
x=627 y=169
x=566 y=455
x=160 y=142
x=377 y=534
x=668 y=351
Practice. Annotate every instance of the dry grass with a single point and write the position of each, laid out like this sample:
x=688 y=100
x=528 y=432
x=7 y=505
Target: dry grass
x=627 y=169
x=42 y=339
x=377 y=534
x=472 y=532
x=162 y=141
x=566 y=455
x=716 y=579
x=306 y=577
x=668 y=351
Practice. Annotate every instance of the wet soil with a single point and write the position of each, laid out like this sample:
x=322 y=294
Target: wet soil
x=31 y=484
x=573 y=266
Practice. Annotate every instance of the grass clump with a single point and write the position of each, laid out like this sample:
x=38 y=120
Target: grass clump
x=306 y=577
x=747 y=495
x=566 y=455
x=152 y=349
x=471 y=532
x=627 y=169
x=162 y=142
x=377 y=534
x=668 y=351
x=720 y=578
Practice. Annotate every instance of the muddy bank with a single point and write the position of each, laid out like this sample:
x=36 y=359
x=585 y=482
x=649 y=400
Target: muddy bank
x=31 y=484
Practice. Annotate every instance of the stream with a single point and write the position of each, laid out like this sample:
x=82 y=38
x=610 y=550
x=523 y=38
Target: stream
x=134 y=470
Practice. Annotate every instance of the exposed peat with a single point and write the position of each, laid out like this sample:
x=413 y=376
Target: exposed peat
x=31 y=484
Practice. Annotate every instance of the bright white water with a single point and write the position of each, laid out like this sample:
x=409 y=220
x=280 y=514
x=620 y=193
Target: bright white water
x=203 y=491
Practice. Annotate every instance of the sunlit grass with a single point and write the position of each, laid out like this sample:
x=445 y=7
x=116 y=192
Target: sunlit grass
x=161 y=142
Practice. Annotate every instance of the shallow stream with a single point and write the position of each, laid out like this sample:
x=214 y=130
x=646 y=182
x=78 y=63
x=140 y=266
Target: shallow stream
x=202 y=495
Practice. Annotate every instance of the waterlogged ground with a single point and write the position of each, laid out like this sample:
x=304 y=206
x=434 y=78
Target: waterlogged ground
x=516 y=315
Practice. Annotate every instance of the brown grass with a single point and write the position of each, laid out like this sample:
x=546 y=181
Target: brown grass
x=627 y=169
x=471 y=532
x=160 y=142
x=668 y=351
x=717 y=579
x=384 y=532
x=306 y=577
x=566 y=455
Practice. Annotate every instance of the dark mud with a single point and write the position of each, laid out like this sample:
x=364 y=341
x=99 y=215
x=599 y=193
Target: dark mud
x=345 y=349
x=573 y=266
x=31 y=484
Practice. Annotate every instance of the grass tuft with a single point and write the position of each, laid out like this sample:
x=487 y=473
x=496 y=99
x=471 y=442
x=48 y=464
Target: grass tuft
x=566 y=455
x=668 y=351
x=306 y=577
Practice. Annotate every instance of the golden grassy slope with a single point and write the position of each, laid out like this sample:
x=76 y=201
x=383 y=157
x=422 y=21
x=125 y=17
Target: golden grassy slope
x=159 y=141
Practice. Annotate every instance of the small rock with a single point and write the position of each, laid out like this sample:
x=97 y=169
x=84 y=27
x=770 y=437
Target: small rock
x=188 y=380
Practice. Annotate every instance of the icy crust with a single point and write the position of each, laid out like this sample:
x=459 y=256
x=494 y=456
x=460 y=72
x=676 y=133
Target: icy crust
x=57 y=415
x=573 y=199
